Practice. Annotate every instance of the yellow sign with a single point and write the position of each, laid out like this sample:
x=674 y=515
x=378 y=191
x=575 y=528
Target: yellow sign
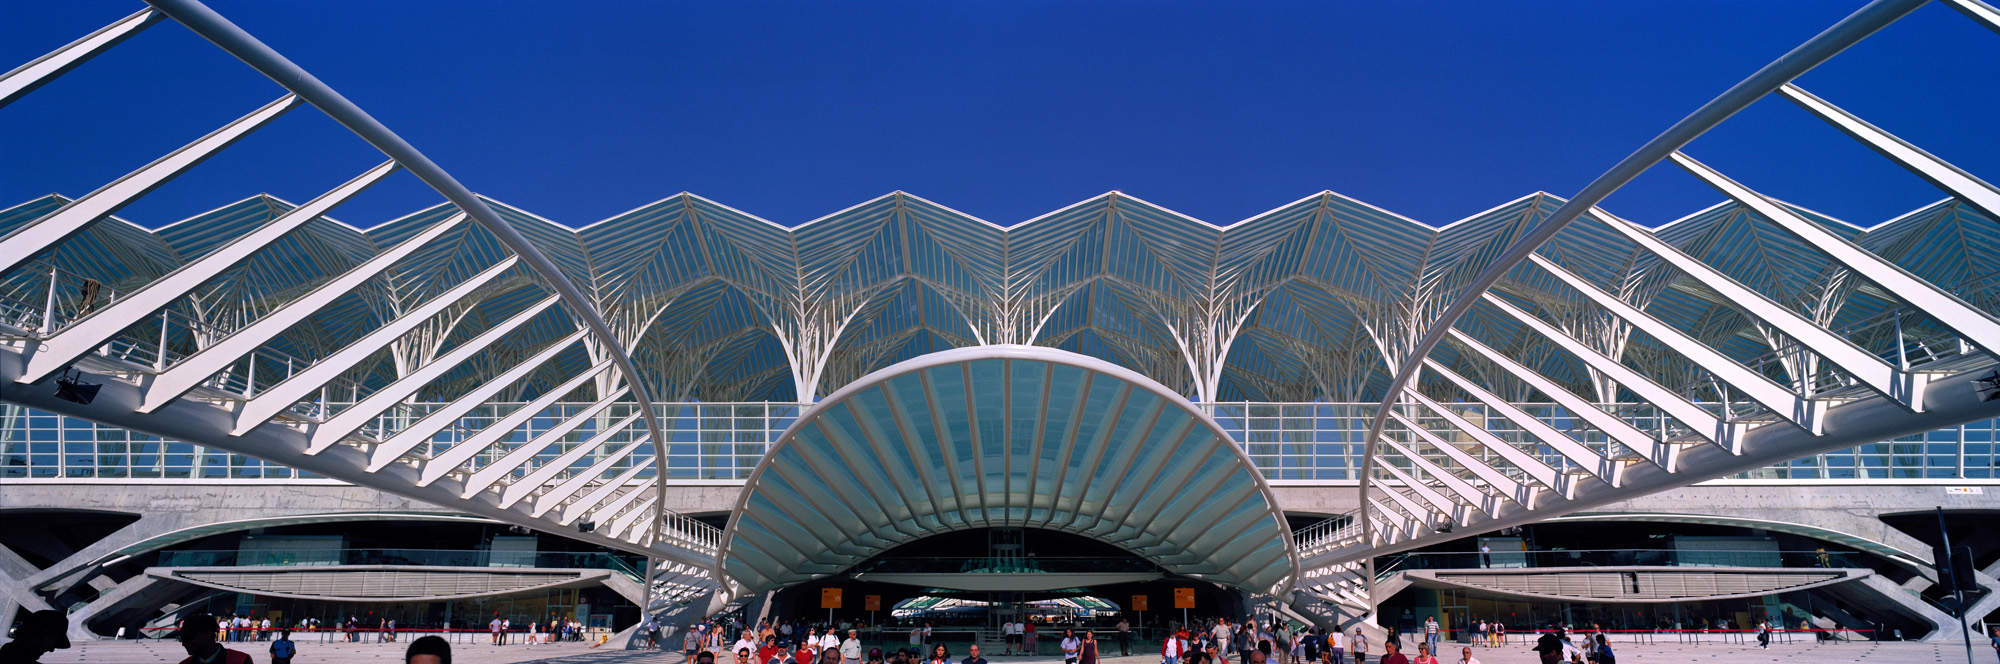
x=829 y=598
x=1183 y=598
x=872 y=602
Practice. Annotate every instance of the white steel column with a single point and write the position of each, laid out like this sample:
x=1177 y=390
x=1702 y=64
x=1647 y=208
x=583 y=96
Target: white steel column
x=276 y=398
x=1577 y=453
x=1978 y=327
x=1694 y=417
x=25 y=78
x=1543 y=473
x=443 y=463
x=1617 y=429
x=417 y=434
x=350 y=420
x=1520 y=493
x=195 y=369
x=92 y=331
x=1857 y=362
x=1781 y=400
x=534 y=479
x=1954 y=180
x=555 y=497
x=45 y=233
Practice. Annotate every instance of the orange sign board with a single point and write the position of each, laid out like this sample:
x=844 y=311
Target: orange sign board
x=829 y=598
x=1138 y=602
x=872 y=602
x=1183 y=598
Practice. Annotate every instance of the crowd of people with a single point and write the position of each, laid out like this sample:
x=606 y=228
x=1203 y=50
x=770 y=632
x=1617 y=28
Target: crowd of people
x=555 y=630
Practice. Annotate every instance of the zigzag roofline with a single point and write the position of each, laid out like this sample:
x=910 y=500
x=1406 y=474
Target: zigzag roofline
x=1024 y=224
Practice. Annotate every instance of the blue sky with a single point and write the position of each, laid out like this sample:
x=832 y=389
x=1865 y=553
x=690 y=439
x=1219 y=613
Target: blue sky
x=1004 y=110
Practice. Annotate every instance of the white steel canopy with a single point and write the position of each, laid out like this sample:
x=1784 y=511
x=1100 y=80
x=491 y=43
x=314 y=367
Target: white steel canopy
x=1006 y=436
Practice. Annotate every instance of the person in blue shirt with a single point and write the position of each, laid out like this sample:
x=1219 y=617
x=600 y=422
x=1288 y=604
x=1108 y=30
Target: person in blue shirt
x=1601 y=652
x=283 y=649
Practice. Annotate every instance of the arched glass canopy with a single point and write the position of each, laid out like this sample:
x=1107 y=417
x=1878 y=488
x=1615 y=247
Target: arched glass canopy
x=1006 y=436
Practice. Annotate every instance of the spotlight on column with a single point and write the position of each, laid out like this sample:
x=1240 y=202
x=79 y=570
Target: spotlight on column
x=586 y=526
x=70 y=387
x=1988 y=387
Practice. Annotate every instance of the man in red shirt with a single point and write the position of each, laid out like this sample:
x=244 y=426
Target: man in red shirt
x=769 y=648
x=1392 y=654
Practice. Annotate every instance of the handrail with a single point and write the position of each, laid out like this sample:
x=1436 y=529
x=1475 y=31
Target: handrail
x=391 y=556
x=1680 y=558
x=1822 y=47
x=253 y=52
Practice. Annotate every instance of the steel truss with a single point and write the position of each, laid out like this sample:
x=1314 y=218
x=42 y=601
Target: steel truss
x=252 y=383
x=1431 y=475
x=1751 y=332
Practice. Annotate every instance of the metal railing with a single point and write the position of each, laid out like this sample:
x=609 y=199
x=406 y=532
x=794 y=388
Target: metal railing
x=1010 y=565
x=690 y=533
x=416 y=557
x=1620 y=558
x=1329 y=534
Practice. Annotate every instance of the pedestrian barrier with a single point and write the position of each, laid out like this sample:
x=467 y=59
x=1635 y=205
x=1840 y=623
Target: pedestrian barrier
x=511 y=637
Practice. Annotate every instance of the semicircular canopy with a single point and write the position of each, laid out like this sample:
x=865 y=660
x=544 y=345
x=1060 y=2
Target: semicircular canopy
x=1006 y=436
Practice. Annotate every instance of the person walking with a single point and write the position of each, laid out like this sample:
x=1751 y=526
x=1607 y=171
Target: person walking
x=828 y=640
x=1071 y=646
x=1424 y=655
x=1028 y=637
x=850 y=650
x=1336 y=651
x=1175 y=646
x=1393 y=654
x=1359 y=646
x=1087 y=651
x=1311 y=642
x=1431 y=632
x=1479 y=633
x=1466 y=657
x=1124 y=637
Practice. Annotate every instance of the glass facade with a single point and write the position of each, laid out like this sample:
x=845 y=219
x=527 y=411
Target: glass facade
x=1289 y=442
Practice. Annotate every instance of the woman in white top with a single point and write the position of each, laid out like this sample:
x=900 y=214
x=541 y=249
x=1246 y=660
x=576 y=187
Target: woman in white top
x=1070 y=646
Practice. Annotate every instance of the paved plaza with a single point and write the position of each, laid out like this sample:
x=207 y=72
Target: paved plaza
x=157 y=652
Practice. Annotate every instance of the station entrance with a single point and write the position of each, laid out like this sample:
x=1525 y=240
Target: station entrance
x=966 y=585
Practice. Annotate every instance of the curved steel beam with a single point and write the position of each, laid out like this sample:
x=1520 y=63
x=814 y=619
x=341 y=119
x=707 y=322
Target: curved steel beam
x=226 y=35
x=858 y=539
x=1822 y=47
